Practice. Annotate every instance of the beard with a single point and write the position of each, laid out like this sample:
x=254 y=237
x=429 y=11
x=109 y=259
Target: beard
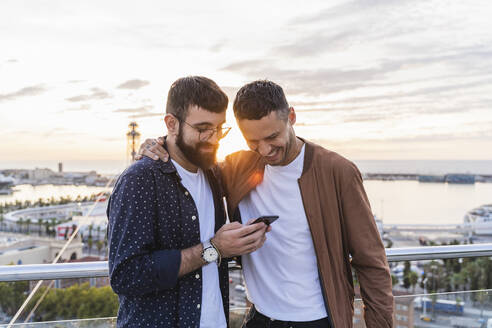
x=286 y=150
x=193 y=153
x=289 y=148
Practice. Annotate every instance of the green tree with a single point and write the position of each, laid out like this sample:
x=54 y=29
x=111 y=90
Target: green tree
x=413 y=278
x=99 y=246
x=394 y=280
x=40 y=226
x=458 y=281
x=406 y=273
x=105 y=244
x=76 y=302
x=89 y=243
x=53 y=224
x=47 y=229
x=20 y=223
x=12 y=295
x=28 y=225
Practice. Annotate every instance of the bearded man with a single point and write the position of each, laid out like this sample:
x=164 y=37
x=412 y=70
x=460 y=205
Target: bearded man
x=167 y=233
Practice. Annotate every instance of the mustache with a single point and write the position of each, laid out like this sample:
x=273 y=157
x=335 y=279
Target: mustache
x=206 y=144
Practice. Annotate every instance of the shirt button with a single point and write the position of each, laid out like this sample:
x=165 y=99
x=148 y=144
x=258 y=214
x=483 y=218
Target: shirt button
x=198 y=306
x=187 y=193
x=197 y=276
x=193 y=217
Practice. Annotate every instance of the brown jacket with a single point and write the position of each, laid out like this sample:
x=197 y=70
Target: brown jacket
x=342 y=225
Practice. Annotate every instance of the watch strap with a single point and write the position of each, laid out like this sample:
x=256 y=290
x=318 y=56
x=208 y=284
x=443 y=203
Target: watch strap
x=219 y=260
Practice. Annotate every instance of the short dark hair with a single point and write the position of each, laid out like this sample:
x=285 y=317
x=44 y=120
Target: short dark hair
x=258 y=99
x=195 y=90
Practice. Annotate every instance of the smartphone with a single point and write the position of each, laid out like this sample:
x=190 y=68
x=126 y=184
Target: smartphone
x=267 y=219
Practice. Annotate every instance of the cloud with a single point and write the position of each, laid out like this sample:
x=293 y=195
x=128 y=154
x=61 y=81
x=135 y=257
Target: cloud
x=96 y=94
x=83 y=107
x=138 y=112
x=340 y=12
x=310 y=124
x=310 y=82
x=53 y=132
x=428 y=91
x=147 y=115
x=111 y=139
x=60 y=132
x=468 y=62
x=133 y=84
x=319 y=42
x=230 y=92
x=217 y=47
x=24 y=92
x=143 y=109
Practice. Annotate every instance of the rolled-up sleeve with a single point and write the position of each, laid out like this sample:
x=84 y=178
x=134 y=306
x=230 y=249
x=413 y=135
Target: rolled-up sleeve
x=136 y=266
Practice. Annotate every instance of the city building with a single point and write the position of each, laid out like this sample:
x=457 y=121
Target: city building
x=40 y=174
x=37 y=250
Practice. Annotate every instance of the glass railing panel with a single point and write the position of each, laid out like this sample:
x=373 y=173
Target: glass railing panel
x=58 y=300
x=78 y=323
x=82 y=302
x=464 y=309
x=236 y=316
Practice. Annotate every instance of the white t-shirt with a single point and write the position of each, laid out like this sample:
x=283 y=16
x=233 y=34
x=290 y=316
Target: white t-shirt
x=212 y=310
x=281 y=277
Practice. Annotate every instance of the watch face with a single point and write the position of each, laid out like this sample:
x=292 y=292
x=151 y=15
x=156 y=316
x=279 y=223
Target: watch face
x=210 y=255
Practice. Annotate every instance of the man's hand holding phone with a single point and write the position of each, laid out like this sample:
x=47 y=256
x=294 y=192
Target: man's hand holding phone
x=234 y=239
x=267 y=219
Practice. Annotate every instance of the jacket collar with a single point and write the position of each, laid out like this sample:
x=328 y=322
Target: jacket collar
x=308 y=155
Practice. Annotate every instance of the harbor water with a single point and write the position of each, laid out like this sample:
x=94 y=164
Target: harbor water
x=395 y=202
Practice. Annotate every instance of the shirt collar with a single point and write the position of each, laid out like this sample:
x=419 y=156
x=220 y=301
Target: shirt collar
x=166 y=167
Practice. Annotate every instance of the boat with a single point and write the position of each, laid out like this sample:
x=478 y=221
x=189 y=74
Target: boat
x=460 y=178
x=6 y=184
x=481 y=218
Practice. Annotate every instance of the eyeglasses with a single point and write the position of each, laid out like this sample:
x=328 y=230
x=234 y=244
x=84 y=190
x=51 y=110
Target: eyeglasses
x=205 y=134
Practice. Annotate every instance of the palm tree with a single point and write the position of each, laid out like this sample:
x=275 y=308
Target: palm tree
x=28 y=225
x=99 y=246
x=47 y=227
x=53 y=224
x=20 y=223
x=394 y=280
x=106 y=243
x=89 y=244
x=40 y=225
x=413 y=277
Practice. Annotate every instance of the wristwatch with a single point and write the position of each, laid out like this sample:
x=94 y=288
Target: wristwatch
x=210 y=253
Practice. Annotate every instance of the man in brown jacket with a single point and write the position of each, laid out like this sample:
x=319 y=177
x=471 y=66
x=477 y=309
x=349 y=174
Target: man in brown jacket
x=302 y=276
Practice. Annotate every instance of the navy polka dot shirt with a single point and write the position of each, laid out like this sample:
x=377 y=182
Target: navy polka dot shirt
x=151 y=218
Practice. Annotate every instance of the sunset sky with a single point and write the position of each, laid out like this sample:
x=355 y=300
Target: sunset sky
x=369 y=79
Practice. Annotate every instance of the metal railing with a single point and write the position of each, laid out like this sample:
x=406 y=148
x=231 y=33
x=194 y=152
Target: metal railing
x=100 y=268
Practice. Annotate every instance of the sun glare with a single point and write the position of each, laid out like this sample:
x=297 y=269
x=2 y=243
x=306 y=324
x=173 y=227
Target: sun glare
x=233 y=142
